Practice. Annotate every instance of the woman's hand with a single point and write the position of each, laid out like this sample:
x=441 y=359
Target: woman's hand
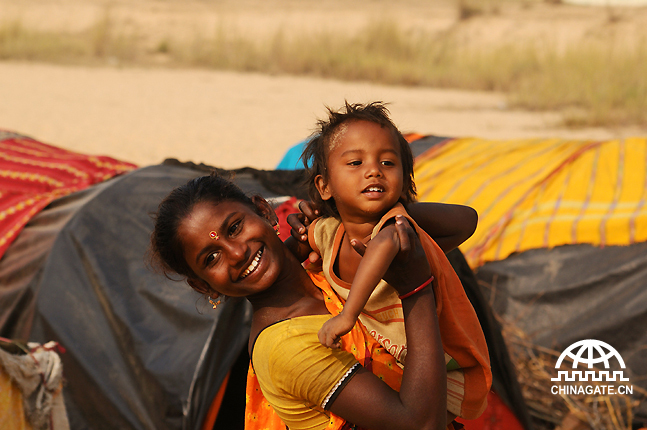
x=422 y=401
x=410 y=267
x=300 y=221
x=298 y=240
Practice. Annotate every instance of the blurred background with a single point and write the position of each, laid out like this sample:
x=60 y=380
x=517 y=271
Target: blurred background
x=534 y=112
x=236 y=83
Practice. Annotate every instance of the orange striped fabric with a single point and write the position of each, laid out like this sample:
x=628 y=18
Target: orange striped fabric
x=32 y=174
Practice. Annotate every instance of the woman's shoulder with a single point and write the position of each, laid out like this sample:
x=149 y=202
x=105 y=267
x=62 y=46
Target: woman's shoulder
x=292 y=346
x=288 y=334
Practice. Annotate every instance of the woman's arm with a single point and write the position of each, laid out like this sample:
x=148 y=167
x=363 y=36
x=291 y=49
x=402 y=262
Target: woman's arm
x=448 y=225
x=380 y=252
x=422 y=401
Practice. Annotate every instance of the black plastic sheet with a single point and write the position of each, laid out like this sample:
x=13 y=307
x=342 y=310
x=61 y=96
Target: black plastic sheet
x=569 y=293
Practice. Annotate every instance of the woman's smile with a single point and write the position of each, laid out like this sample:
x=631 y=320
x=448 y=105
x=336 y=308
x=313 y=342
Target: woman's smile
x=253 y=265
x=231 y=248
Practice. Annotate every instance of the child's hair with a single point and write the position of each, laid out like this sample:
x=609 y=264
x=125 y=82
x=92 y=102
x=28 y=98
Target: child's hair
x=166 y=250
x=315 y=154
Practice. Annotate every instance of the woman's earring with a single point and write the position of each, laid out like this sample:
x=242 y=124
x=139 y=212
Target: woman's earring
x=276 y=229
x=214 y=304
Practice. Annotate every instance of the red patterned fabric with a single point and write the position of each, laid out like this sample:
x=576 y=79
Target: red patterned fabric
x=32 y=174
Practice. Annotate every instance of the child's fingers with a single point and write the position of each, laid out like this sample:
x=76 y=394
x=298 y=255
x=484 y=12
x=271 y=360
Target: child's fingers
x=322 y=336
x=333 y=341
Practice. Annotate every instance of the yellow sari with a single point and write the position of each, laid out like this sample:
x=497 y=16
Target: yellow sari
x=259 y=414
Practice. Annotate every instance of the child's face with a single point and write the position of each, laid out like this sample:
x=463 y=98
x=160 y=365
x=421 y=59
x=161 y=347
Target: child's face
x=364 y=171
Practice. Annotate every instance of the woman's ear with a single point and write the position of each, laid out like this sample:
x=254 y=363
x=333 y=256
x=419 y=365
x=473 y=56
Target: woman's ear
x=322 y=187
x=199 y=285
x=265 y=210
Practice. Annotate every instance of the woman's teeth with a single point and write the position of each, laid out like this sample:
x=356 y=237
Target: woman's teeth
x=253 y=265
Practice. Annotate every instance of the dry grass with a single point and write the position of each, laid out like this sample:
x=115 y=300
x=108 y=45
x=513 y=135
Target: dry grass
x=596 y=84
x=535 y=368
x=100 y=43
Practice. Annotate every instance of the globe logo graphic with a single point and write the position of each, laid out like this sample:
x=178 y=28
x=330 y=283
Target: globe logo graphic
x=590 y=352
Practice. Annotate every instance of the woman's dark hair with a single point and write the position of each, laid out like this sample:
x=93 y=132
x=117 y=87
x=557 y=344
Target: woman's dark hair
x=315 y=154
x=166 y=250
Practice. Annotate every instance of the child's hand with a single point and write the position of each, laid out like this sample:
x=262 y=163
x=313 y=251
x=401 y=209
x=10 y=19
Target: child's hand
x=300 y=222
x=331 y=332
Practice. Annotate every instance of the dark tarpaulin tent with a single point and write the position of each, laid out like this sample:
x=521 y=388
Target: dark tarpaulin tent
x=143 y=351
x=562 y=295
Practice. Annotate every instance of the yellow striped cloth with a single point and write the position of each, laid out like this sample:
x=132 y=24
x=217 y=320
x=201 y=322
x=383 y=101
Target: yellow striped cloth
x=540 y=193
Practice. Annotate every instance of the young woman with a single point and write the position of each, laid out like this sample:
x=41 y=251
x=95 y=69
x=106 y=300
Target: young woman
x=224 y=243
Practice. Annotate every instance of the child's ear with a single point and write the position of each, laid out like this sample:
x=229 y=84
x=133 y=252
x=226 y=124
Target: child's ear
x=264 y=209
x=322 y=187
x=199 y=285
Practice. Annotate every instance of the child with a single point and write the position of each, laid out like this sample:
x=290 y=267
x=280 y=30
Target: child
x=361 y=174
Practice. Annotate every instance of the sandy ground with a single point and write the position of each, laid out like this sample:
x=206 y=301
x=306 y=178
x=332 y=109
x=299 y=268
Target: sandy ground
x=144 y=115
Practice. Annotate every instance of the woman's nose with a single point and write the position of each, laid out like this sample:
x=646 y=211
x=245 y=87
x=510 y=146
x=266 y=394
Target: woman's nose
x=237 y=252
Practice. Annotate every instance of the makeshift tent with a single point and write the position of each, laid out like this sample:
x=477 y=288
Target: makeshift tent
x=143 y=351
x=561 y=248
x=32 y=174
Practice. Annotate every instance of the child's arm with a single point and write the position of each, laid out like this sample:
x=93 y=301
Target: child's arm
x=449 y=225
x=379 y=254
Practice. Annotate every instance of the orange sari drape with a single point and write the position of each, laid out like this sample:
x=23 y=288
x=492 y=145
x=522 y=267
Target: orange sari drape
x=259 y=415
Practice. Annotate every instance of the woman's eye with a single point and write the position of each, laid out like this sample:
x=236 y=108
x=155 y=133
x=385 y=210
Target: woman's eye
x=211 y=258
x=235 y=227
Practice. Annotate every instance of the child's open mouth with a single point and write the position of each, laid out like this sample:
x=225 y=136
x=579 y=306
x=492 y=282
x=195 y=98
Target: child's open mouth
x=373 y=189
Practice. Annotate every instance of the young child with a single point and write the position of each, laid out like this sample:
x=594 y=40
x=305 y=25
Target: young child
x=361 y=176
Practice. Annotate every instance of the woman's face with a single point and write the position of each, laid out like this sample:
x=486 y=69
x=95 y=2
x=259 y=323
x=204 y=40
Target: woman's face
x=231 y=249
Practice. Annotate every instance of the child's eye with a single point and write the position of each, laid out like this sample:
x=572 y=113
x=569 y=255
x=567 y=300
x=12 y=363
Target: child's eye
x=388 y=163
x=354 y=163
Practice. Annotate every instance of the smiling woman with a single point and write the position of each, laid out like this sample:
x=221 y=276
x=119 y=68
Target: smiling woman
x=306 y=384
x=238 y=258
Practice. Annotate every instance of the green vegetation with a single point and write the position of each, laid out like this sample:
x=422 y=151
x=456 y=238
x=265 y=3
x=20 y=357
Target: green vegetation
x=595 y=84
